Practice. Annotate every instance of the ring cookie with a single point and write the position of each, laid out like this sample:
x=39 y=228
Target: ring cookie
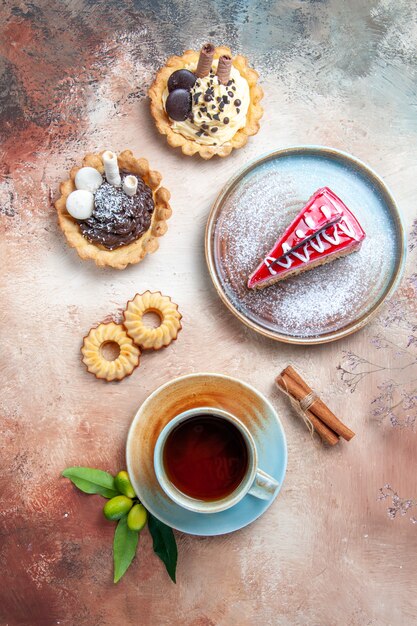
x=144 y=336
x=97 y=364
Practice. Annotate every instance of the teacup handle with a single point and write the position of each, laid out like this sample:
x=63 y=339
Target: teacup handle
x=264 y=486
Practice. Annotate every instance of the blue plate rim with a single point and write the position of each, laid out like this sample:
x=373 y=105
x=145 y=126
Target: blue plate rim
x=320 y=150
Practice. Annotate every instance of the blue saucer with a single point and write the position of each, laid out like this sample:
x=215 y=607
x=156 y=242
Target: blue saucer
x=191 y=391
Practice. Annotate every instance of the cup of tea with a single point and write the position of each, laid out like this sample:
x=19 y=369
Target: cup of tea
x=205 y=460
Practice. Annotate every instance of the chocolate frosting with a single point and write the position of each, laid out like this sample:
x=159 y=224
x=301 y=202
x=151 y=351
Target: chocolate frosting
x=118 y=219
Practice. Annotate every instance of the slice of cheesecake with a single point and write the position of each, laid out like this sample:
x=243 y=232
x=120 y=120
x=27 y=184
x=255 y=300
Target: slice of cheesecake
x=323 y=231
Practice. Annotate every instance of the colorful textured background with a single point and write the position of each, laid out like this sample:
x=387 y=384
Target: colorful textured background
x=339 y=544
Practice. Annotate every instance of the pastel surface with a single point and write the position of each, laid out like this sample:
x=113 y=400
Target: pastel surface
x=73 y=79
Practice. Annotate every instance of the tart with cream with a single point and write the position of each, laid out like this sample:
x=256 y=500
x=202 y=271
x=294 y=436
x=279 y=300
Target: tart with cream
x=207 y=102
x=323 y=231
x=113 y=209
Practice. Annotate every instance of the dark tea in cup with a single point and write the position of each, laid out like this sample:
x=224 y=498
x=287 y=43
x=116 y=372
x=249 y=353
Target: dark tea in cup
x=205 y=457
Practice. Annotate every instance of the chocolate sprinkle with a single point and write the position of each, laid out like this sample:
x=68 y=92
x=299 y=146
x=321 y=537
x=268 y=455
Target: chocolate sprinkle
x=206 y=100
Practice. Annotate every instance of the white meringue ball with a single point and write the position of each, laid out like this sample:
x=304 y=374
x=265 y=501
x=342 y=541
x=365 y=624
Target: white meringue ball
x=88 y=178
x=80 y=204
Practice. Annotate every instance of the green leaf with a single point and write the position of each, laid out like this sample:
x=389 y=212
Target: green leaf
x=164 y=544
x=91 y=480
x=124 y=548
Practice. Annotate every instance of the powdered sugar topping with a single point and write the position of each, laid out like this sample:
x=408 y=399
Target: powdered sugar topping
x=324 y=299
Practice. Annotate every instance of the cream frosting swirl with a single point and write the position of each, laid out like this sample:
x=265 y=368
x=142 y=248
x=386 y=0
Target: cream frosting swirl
x=214 y=121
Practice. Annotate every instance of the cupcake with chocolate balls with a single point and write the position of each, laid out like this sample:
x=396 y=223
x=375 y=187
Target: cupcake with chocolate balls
x=207 y=102
x=113 y=209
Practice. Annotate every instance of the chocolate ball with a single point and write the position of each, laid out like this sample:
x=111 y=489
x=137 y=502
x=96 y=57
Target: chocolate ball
x=178 y=104
x=181 y=79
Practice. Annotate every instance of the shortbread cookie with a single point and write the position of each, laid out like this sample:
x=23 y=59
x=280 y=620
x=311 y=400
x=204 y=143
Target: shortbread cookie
x=97 y=364
x=152 y=338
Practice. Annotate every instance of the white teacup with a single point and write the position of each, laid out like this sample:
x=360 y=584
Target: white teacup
x=254 y=482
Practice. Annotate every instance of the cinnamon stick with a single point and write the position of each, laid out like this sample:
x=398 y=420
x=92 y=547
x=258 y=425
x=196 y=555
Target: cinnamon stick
x=319 y=408
x=290 y=386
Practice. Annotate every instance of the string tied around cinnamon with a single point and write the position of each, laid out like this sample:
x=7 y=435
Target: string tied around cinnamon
x=314 y=412
x=305 y=403
x=301 y=406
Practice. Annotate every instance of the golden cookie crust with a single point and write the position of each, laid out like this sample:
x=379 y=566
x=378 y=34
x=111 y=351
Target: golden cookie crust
x=188 y=146
x=95 y=362
x=133 y=252
x=152 y=338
